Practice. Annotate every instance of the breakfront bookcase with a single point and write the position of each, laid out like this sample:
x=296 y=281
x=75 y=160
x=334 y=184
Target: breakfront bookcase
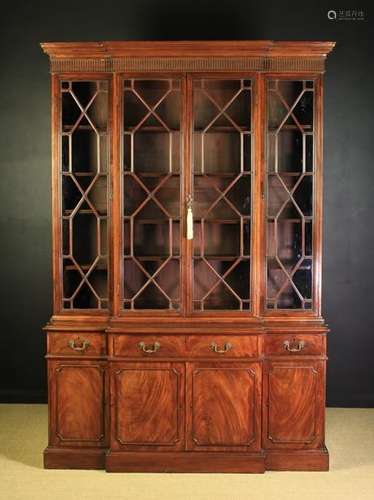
x=187 y=215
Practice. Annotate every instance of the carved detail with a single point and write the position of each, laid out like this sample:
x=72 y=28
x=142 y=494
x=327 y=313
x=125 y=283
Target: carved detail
x=191 y=64
x=78 y=65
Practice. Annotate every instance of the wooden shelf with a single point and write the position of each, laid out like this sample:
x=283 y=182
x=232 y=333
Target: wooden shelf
x=150 y=128
x=290 y=174
x=213 y=129
x=86 y=267
x=151 y=174
x=278 y=269
x=223 y=129
x=67 y=129
x=85 y=211
x=151 y=258
x=291 y=127
x=222 y=174
x=286 y=219
x=227 y=258
x=84 y=174
x=221 y=221
x=152 y=221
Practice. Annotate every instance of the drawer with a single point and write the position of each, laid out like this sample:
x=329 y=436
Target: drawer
x=148 y=346
x=294 y=344
x=77 y=344
x=222 y=346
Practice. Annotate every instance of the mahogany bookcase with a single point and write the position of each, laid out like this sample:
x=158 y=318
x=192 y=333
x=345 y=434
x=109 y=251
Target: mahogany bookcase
x=187 y=232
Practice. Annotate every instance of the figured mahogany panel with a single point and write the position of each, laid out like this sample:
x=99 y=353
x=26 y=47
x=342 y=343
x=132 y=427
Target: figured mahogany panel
x=222 y=346
x=148 y=405
x=77 y=392
x=149 y=346
x=77 y=344
x=294 y=410
x=224 y=406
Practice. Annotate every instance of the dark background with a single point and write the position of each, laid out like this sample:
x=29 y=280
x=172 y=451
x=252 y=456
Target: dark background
x=25 y=210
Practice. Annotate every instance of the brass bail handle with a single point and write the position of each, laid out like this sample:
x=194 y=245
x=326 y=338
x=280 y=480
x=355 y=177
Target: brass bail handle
x=294 y=345
x=227 y=346
x=189 y=222
x=78 y=344
x=150 y=348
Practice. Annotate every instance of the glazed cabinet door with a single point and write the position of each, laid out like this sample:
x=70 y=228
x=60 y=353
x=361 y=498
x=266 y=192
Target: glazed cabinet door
x=224 y=406
x=77 y=403
x=293 y=194
x=221 y=194
x=151 y=177
x=294 y=393
x=81 y=172
x=147 y=406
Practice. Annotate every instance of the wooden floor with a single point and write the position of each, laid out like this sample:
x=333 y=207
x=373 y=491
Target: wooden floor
x=23 y=436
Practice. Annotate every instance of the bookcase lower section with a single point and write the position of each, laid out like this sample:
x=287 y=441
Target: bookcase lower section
x=221 y=462
x=187 y=403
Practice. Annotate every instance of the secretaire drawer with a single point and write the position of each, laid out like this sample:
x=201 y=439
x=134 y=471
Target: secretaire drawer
x=152 y=346
x=221 y=346
x=293 y=344
x=77 y=344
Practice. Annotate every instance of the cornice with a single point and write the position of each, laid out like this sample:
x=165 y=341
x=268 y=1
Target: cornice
x=261 y=55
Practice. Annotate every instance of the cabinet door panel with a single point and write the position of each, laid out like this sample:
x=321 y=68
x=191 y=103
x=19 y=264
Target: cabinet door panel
x=224 y=406
x=77 y=403
x=294 y=413
x=148 y=405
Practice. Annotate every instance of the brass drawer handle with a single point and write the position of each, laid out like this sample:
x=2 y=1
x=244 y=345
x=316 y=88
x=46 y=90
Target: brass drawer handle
x=78 y=344
x=294 y=345
x=150 y=348
x=227 y=346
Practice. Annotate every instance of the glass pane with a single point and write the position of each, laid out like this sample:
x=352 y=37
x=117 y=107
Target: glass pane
x=222 y=194
x=290 y=143
x=84 y=164
x=151 y=194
